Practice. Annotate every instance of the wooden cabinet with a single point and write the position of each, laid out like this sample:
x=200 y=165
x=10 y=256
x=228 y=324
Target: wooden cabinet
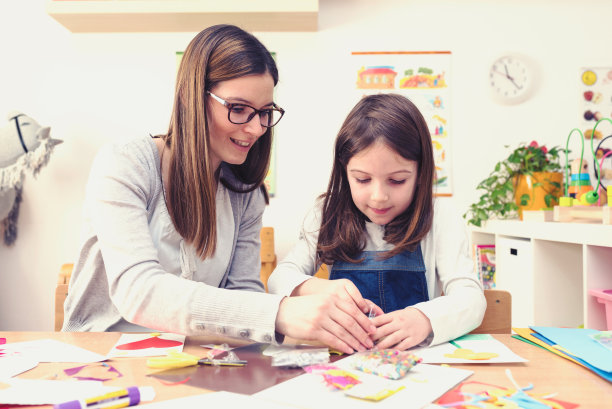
x=549 y=268
x=104 y=16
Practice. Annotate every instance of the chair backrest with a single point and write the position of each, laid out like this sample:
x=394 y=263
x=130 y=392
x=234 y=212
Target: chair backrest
x=268 y=256
x=61 y=292
x=498 y=316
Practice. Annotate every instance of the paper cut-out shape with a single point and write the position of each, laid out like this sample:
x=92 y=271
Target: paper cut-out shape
x=153 y=342
x=132 y=345
x=463 y=353
x=472 y=394
x=93 y=372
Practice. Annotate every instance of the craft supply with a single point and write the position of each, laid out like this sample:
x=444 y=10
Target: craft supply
x=388 y=363
x=603 y=338
x=301 y=357
x=130 y=396
x=181 y=359
x=221 y=362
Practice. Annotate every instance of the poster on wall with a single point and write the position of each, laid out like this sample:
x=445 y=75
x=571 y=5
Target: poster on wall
x=270 y=180
x=423 y=77
x=596 y=101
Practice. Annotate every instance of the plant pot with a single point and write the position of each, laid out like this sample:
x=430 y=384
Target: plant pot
x=538 y=191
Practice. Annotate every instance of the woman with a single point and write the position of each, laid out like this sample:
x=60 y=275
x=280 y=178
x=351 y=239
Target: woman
x=171 y=224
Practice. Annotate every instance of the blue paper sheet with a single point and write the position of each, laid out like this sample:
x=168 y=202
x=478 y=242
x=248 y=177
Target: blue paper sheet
x=606 y=375
x=577 y=341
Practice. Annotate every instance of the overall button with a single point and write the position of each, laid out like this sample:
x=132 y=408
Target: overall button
x=267 y=338
x=244 y=333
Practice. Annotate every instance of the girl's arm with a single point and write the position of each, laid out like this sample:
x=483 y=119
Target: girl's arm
x=300 y=264
x=462 y=307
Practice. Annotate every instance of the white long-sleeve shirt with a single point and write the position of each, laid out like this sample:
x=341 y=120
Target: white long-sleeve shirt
x=450 y=270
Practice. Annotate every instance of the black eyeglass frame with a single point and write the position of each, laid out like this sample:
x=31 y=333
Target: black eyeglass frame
x=232 y=105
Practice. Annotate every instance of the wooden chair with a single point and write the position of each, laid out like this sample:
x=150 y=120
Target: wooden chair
x=268 y=256
x=61 y=292
x=498 y=316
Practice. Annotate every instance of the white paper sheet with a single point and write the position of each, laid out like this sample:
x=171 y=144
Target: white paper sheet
x=14 y=365
x=50 y=350
x=16 y=391
x=422 y=385
x=219 y=399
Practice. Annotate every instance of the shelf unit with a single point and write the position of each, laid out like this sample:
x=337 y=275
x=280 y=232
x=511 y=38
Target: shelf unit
x=105 y=16
x=549 y=268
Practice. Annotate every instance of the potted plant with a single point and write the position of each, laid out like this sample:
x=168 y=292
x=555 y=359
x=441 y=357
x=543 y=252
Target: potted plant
x=529 y=178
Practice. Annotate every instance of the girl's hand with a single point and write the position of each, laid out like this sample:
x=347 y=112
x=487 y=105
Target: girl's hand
x=401 y=329
x=326 y=318
x=343 y=288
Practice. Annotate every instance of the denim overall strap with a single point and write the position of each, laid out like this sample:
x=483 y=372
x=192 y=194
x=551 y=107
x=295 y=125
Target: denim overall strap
x=392 y=284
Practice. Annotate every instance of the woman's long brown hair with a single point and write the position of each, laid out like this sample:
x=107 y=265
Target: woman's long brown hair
x=218 y=53
x=395 y=121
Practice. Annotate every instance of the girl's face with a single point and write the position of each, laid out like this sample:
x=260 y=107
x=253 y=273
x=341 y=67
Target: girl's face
x=231 y=142
x=382 y=182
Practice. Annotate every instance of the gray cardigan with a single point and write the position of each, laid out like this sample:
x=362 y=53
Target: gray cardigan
x=126 y=276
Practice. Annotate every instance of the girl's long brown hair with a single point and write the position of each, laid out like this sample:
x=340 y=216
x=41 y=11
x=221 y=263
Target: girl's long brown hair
x=395 y=121
x=218 y=53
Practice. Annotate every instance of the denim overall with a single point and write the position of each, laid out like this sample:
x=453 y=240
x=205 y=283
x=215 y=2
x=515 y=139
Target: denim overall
x=392 y=284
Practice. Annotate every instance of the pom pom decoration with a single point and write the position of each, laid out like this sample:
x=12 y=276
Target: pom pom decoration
x=388 y=363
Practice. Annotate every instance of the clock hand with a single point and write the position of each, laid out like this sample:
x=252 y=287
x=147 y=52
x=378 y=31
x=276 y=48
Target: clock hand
x=515 y=84
x=507 y=73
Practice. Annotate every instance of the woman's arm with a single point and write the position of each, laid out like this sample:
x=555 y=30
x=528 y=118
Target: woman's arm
x=121 y=190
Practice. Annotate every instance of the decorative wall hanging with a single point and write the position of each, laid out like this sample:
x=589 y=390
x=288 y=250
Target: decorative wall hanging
x=26 y=147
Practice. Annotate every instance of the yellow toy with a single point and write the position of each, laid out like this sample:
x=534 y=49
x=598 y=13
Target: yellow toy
x=580 y=183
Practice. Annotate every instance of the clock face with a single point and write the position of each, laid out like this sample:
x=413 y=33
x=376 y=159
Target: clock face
x=510 y=80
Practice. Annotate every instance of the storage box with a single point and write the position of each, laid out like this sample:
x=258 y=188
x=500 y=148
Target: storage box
x=604 y=297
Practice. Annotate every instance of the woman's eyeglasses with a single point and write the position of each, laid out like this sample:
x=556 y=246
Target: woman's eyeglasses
x=242 y=113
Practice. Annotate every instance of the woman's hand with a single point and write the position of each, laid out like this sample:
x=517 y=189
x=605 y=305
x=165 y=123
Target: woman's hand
x=343 y=288
x=401 y=329
x=328 y=318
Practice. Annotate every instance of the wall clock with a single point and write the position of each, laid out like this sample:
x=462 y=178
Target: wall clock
x=512 y=79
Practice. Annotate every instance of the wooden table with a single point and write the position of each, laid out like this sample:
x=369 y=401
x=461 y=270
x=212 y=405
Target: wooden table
x=548 y=372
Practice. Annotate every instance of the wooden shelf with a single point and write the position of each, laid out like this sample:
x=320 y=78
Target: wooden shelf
x=106 y=16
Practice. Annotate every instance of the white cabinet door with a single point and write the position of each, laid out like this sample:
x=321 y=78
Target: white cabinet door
x=514 y=273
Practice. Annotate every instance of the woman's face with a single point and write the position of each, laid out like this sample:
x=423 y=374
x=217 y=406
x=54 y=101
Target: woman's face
x=230 y=142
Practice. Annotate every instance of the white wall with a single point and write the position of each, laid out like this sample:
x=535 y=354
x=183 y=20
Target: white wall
x=93 y=88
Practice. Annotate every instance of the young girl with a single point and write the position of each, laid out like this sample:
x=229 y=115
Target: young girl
x=171 y=223
x=383 y=235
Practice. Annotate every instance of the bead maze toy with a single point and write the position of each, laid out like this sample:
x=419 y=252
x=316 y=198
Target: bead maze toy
x=581 y=199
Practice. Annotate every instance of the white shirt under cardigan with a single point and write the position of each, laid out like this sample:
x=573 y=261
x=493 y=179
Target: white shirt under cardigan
x=136 y=273
x=447 y=259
